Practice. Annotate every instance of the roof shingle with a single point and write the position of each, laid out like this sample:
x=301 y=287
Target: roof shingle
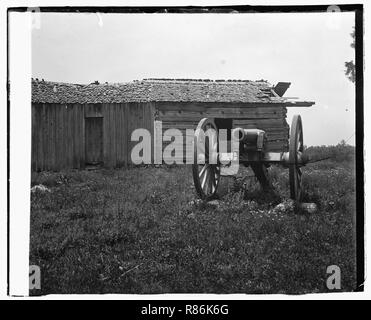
x=161 y=90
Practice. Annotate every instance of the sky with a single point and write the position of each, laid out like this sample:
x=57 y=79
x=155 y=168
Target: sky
x=306 y=49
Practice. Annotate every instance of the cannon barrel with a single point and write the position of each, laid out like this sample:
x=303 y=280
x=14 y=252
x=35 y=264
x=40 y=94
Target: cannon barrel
x=248 y=136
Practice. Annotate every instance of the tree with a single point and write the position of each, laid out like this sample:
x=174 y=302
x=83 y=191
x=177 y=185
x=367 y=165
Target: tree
x=350 y=70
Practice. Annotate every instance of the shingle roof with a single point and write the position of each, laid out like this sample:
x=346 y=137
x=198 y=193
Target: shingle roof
x=170 y=90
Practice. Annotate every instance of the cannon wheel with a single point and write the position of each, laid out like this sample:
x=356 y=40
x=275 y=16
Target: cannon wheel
x=206 y=176
x=296 y=145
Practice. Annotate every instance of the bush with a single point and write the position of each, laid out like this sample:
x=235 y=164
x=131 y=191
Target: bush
x=341 y=153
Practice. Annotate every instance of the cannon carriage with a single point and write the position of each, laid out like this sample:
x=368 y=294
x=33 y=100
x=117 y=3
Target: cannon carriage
x=249 y=149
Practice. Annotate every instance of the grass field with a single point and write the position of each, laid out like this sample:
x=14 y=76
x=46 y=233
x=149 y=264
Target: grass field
x=142 y=230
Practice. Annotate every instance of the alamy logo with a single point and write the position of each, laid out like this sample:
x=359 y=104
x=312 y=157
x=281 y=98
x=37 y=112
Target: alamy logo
x=34 y=277
x=334 y=279
x=212 y=146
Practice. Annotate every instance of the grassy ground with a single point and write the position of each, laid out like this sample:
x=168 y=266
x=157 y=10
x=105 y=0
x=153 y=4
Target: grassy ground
x=143 y=230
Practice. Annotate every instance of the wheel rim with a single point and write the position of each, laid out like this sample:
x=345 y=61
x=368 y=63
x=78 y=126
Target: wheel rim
x=206 y=175
x=296 y=145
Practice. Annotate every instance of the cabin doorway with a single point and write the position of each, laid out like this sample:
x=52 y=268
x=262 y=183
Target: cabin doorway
x=94 y=141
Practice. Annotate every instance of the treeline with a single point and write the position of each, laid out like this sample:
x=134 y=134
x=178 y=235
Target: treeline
x=340 y=153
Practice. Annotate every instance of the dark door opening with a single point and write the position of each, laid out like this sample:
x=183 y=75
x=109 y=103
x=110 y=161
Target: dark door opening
x=94 y=141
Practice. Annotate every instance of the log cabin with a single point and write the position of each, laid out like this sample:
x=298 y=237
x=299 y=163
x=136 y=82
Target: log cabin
x=75 y=125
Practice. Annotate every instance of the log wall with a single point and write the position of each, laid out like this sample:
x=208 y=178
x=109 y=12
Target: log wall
x=270 y=118
x=58 y=133
x=58 y=130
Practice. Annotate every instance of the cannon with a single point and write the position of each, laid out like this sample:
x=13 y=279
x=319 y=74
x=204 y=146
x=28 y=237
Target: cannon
x=247 y=147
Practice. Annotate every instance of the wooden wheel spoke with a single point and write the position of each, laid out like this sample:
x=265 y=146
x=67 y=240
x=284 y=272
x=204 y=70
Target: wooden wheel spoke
x=212 y=178
x=216 y=174
x=295 y=146
x=202 y=172
x=207 y=177
x=209 y=181
x=207 y=142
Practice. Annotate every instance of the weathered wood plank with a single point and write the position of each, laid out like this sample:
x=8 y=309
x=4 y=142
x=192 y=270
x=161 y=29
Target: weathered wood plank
x=117 y=134
x=69 y=136
x=82 y=141
x=57 y=138
x=81 y=134
x=52 y=137
x=75 y=137
x=44 y=139
x=33 y=142
x=193 y=106
x=36 y=126
x=124 y=134
x=276 y=123
x=114 y=134
x=127 y=133
x=76 y=161
x=35 y=135
x=106 y=135
x=63 y=144
x=93 y=110
x=194 y=117
x=65 y=137
x=218 y=111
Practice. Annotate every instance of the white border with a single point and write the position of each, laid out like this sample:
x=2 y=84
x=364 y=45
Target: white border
x=20 y=150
